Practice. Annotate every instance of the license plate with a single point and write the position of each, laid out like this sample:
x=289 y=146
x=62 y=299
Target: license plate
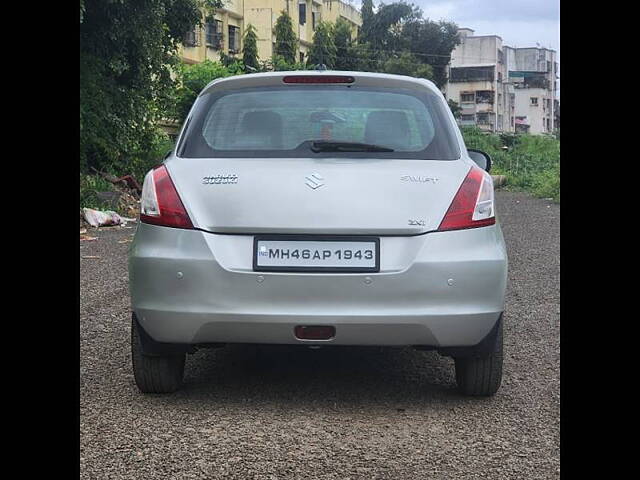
x=313 y=254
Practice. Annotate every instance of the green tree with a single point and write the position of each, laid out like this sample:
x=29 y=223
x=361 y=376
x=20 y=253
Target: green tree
x=234 y=65
x=250 y=49
x=366 y=11
x=192 y=79
x=407 y=64
x=364 y=58
x=455 y=108
x=126 y=52
x=399 y=27
x=385 y=28
x=286 y=41
x=279 y=64
x=345 y=59
x=323 y=50
x=433 y=43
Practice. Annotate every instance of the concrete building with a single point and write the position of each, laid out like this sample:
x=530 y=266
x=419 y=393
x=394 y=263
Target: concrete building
x=500 y=88
x=533 y=72
x=476 y=81
x=225 y=31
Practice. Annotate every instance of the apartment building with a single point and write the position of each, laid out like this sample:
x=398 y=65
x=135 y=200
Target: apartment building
x=477 y=74
x=500 y=88
x=533 y=72
x=225 y=31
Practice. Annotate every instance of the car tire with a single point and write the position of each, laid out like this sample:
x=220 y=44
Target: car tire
x=481 y=375
x=155 y=373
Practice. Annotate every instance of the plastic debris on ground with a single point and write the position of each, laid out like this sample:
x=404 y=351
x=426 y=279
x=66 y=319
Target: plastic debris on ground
x=124 y=197
x=97 y=218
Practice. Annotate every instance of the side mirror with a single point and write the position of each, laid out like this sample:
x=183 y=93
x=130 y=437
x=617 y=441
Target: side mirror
x=481 y=158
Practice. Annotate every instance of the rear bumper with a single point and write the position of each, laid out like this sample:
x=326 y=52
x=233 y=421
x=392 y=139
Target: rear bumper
x=440 y=289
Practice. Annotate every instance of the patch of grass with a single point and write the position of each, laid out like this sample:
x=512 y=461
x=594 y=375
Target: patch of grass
x=90 y=185
x=137 y=166
x=531 y=163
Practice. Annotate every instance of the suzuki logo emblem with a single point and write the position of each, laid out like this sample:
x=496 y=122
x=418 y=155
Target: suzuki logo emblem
x=314 y=181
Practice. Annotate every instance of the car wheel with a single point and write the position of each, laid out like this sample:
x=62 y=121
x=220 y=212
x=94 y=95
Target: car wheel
x=481 y=375
x=155 y=373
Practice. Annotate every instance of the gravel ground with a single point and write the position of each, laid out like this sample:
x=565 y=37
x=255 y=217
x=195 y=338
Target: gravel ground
x=366 y=413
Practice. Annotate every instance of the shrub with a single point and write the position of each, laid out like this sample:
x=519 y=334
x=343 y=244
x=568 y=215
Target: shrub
x=192 y=79
x=90 y=185
x=530 y=162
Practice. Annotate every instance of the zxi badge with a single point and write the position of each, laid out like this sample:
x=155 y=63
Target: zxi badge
x=314 y=181
x=417 y=222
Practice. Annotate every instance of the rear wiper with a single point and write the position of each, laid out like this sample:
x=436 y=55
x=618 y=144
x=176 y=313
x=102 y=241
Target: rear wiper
x=328 y=146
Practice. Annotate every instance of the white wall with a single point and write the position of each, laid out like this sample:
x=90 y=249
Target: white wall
x=475 y=50
x=535 y=115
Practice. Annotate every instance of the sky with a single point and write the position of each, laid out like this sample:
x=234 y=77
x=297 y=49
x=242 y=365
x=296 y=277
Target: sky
x=520 y=23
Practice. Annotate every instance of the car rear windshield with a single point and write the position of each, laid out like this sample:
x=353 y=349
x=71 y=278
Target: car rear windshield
x=335 y=121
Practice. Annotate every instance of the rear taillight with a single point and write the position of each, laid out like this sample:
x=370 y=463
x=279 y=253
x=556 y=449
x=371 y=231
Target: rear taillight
x=473 y=204
x=160 y=203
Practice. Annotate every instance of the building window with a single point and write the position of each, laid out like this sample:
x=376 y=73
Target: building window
x=213 y=34
x=512 y=119
x=500 y=56
x=471 y=74
x=313 y=19
x=301 y=57
x=484 y=118
x=468 y=118
x=192 y=38
x=534 y=101
x=467 y=97
x=302 y=13
x=500 y=76
x=234 y=39
x=484 y=96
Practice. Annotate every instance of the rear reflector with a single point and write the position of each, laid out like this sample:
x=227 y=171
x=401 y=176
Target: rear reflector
x=318 y=79
x=318 y=332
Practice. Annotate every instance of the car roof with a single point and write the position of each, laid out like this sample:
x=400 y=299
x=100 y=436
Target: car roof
x=368 y=79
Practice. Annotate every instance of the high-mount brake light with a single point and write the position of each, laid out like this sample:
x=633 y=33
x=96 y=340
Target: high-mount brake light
x=160 y=203
x=473 y=205
x=318 y=79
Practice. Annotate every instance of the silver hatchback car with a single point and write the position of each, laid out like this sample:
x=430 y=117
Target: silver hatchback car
x=319 y=208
